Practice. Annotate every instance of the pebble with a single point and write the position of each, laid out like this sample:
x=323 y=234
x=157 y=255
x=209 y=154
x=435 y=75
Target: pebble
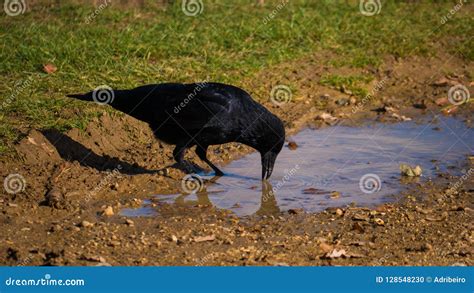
x=295 y=211
x=292 y=145
x=379 y=221
x=427 y=247
x=204 y=238
x=108 y=211
x=86 y=224
x=360 y=217
x=54 y=198
x=342 y=102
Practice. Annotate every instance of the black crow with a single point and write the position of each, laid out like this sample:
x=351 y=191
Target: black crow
x=199 y=114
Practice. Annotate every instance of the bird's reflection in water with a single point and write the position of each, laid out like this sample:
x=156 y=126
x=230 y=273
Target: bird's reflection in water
x=268 y=203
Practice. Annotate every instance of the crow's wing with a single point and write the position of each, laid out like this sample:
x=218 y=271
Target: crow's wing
x=196 y=108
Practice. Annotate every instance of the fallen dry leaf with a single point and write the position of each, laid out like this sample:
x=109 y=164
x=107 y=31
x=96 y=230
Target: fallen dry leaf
x=312 y=190
x=338 y=253
x=49 y=68
x=443 y=82
x=204 y=238
x=401 y=117
x=326 y=117
x=442 y=101
x=450 y=110
x=326 y=248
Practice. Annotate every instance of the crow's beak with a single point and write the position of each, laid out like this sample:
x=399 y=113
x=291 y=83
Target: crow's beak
x=268 y=160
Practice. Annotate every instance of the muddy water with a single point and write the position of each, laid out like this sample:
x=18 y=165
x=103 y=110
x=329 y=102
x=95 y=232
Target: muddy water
x=333 y=167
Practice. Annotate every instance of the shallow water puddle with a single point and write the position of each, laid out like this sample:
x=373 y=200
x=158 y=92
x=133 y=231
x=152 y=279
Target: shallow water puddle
x=334 y=167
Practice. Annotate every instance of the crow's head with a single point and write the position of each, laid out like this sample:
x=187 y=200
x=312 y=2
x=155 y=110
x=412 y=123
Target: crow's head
x=274 y=140
x=268 y=138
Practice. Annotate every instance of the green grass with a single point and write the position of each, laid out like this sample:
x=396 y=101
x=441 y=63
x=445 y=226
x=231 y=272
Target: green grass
x=353 y=83
x=227 y=42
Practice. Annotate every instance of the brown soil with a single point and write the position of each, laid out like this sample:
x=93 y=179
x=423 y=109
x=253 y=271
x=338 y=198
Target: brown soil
x=71 y=178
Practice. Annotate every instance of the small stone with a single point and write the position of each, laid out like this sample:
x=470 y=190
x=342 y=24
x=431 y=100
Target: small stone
x=379 y=221
x=204 y=238
x=339 y=212
x=292 y=145
x=174 y=238
x=342 y=102
x=335 y=194
x=108 y=211
x=86 y=224
x=360 y=217
x=458 y=264
x=295 y=211
x=54 y=198
x=427 y=247
x=409 y=171
x=164 y=172
x=129 y=222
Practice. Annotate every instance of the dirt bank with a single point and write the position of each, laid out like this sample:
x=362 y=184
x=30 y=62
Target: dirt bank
x=70 y=180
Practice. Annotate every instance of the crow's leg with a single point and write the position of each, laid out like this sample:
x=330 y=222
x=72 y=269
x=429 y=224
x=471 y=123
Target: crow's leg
x=202 y=154
x=178 y=155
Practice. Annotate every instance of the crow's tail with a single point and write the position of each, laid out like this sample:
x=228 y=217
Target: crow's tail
x=82 y=97
x=76 y=96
